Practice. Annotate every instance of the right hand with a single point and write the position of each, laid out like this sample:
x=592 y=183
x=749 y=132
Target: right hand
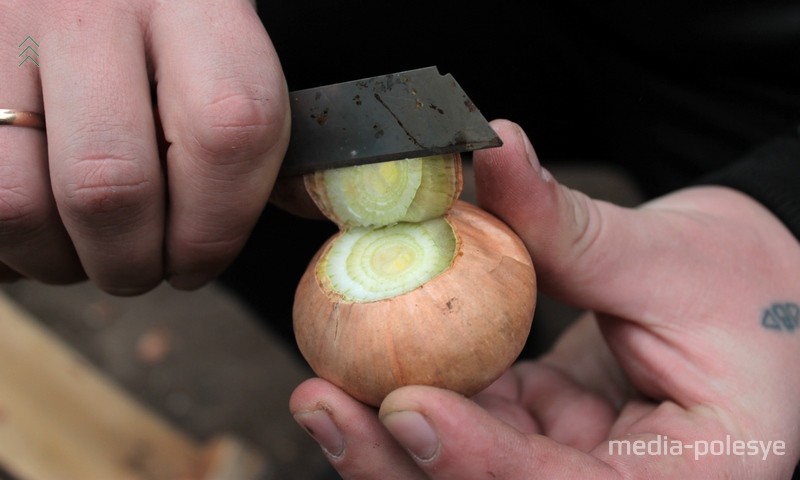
x=93 y=197
x=674 y=348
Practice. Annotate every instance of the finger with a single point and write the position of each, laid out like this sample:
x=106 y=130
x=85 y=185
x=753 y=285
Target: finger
x=582 y=354
x=508 y=411
x=349 y=433
x=451 y=437
x=566 y=412
x=103 y=161
x=575 y=242
x=290 y=194
x=224 y=108
x=502 y=400
x=534 y=397
x=32 y=239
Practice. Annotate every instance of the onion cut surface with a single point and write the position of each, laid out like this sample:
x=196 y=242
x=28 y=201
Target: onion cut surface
x=365 y=264
x=459 y=330
x=411 y=190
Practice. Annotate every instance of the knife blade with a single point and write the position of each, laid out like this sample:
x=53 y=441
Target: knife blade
x=409 y=114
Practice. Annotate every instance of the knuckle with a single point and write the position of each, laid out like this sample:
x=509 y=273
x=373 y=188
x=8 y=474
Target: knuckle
x=106 y=183
x=66 y=13
x=213 y=248
x=234 y=123
x=208 y=249
x=19 y=212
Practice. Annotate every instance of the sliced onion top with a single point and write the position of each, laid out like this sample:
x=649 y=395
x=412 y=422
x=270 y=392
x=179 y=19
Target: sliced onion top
x=370 y=264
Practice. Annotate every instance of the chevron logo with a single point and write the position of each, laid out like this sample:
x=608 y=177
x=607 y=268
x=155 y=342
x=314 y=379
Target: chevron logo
x=29 y=51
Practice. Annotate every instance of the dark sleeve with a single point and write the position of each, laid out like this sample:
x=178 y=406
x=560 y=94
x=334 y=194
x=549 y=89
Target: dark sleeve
x=771 y=175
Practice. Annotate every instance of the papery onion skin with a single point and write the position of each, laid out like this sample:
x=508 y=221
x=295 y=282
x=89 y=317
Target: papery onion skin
x=459 y=331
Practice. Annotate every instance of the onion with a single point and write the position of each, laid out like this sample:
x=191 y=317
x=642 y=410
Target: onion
x=410 y=190
x=447 y=301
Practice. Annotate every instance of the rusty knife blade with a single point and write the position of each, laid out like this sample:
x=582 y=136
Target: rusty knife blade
x=409 y=114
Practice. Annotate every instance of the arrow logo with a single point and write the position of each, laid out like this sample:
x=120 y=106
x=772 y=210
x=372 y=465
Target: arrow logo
x=28 y=51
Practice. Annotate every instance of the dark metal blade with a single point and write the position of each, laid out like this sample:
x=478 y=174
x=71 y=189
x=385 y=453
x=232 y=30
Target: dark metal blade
x=402 y=115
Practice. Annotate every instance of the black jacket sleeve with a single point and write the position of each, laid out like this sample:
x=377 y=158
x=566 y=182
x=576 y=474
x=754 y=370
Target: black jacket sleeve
x=771 y=175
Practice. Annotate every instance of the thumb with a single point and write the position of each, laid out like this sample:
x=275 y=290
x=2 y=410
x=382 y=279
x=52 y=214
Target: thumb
x=450 y=437
x=575 y=241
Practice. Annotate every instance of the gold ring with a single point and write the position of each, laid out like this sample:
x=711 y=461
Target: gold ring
x=21 y=118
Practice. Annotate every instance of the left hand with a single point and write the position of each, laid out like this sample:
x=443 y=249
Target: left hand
x=672 y=348
x=94 y=197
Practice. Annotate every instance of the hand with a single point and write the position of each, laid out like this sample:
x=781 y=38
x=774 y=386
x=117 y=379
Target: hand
x=93 y=198
x=676 y=349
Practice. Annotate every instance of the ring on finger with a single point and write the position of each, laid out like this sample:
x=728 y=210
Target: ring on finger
x=21 y=118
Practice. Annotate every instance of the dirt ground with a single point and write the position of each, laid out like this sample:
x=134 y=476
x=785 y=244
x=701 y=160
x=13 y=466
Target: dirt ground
x=204 y=362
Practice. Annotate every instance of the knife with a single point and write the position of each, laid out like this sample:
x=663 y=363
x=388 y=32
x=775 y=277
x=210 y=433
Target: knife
x=409 y=114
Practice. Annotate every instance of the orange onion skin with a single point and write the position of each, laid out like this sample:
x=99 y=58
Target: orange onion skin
x=459 y=331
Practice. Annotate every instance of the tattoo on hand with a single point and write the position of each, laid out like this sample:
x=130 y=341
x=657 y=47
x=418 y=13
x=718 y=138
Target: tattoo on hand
x=783 y=317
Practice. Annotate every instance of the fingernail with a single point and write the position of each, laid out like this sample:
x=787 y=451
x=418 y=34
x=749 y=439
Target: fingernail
x=414 y=432
x=530 y=154
x=319 y=425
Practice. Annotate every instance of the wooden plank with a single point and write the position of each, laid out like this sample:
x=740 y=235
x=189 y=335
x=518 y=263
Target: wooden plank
x=63 y=419
x=227 y=458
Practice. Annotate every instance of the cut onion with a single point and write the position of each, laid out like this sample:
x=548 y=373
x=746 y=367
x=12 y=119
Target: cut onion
x=365 y=265
x=443 y=294
x=411 y=190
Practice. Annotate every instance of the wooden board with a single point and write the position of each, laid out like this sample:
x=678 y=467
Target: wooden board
x=63 y=419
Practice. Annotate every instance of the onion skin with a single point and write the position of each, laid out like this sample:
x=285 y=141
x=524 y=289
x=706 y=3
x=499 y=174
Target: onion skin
x=459 y=331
